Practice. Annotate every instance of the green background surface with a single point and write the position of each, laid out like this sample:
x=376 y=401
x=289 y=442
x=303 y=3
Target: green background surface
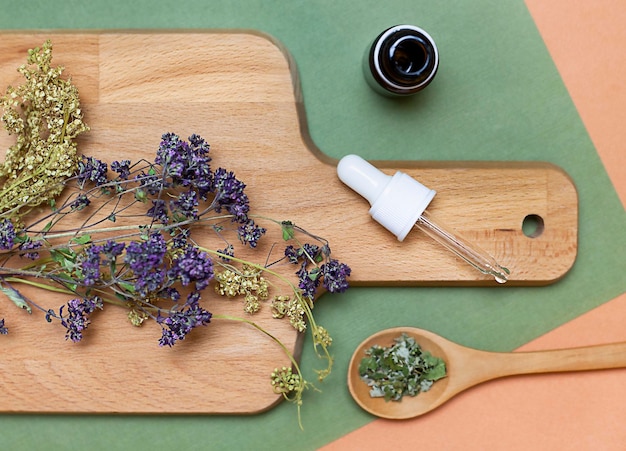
x=497 y=96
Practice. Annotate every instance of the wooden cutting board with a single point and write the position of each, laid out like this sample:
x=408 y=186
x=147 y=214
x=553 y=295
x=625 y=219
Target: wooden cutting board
x=239 y=91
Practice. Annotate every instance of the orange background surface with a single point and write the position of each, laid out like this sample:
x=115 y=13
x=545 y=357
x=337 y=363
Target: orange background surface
x=577 y=411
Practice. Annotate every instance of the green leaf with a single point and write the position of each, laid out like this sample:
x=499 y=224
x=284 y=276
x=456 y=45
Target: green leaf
x=21 y=238
x=144 y=232
x=141 y=195
x=65 y=256
x=314 y=273
x=437 y=372
x=127 y=286
x=57 y=255
x=367 y=364
x=67 y=280
x=16 y=297
x=82 y=239
x=288 y=230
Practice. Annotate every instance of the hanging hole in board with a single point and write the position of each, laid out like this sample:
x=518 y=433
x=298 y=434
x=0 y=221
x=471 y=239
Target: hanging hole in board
x=533 y=226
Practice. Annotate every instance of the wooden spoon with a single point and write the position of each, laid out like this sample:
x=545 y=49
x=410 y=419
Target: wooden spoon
x=467 y=367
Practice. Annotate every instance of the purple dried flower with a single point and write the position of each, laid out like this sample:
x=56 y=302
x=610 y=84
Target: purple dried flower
x=90 y=264
x=91 y=169
x=145 y=259
x=159 y=211
x=122 y=168
x=199 y=146
x=77 y=320
x=192 y=265
x=311 y=252
x=7 y=234
x=150 y=282
x=167 y=335
x=292 y=254
x=112 y=249
x=200 y=175
x=185 y=164
x=30 y=246
x=306 y=253
x=172 y=155
x=186 y=204
x=170 y=293
x=250 y=233
x=229 y=194
x=308 y=282
x=81 y=201
x=228 y=251
x=180 y=238
x=3 y=330
x=150 y=182
x=178 y=324
x=335 y=276
x=143 y=256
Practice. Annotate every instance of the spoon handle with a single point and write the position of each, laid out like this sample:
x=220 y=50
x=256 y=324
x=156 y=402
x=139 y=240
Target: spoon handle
x=572 y=359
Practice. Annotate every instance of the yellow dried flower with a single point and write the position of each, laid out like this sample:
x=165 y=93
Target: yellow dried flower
x=247 y=283
x=136 y=318
x=291 y=308
x=321 y=336
x=285 y=381
x=44 y=113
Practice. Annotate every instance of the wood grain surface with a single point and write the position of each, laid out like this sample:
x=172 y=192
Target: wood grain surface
x=239 y=91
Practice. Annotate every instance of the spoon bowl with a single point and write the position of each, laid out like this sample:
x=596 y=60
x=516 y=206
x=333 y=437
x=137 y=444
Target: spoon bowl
x=467 y=367
x=409 y=406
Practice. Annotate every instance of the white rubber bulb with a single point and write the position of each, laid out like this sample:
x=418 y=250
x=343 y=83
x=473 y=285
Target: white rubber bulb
x=397 y=201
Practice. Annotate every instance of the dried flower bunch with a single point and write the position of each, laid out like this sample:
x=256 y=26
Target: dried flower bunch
x=122 y=234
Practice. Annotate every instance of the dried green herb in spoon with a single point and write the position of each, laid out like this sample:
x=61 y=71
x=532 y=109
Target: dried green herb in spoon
x=401 y=369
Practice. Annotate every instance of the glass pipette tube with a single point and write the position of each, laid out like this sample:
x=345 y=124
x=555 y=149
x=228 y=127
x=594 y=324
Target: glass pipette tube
x=453 y=241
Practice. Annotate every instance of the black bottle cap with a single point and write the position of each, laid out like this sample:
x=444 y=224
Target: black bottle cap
x=402 y=60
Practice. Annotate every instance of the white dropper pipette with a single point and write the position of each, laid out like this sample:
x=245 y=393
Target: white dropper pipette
x=399 y=203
